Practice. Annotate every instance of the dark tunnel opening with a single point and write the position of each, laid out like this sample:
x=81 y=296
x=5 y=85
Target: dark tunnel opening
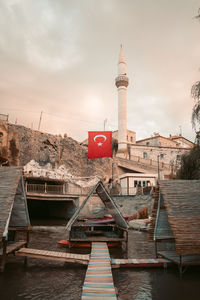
x=49 y=212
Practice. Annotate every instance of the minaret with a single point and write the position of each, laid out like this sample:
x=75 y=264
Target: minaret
x=122 y=82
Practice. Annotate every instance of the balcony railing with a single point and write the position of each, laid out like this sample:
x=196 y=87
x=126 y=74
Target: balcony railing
x=62 y=189
x=45 y=189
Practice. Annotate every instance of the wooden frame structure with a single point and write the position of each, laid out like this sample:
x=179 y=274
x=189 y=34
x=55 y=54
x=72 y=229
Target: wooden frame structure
x=13 y=212
x=178 y=222
x=80 y=231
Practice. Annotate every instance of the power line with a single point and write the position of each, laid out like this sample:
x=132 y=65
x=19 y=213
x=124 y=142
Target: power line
x=71 y=116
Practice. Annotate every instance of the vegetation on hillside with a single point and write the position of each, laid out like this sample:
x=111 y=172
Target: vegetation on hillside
x=190 y=165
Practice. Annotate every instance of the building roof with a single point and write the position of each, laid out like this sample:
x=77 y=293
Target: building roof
x=13 y=209
x=171 y=138
x=182 y=202
x=108 y=202
x=176 y=137
x=155 y=137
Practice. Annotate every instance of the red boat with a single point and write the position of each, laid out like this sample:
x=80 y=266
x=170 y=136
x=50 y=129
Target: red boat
x=65 y=243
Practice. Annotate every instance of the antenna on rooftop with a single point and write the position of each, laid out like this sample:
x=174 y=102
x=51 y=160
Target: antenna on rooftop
x=180 y=130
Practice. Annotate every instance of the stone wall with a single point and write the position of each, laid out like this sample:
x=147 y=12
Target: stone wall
x=169 y=153
x=128 y=205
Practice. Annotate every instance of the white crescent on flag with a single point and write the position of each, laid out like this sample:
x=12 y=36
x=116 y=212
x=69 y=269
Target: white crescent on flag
x=100 y=135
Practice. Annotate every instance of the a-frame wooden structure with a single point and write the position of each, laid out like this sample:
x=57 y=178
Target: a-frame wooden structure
x=115 y=231
x=13 y=212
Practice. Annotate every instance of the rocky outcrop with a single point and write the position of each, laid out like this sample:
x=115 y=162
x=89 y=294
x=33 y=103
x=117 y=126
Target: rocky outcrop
x=46 y=148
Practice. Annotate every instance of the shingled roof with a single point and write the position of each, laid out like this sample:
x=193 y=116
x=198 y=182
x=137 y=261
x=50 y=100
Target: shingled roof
x=13 y=209
x=182 y=202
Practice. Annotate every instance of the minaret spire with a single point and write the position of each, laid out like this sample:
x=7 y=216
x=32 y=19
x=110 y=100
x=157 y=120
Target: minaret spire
x=121 y=62
x=122 y=82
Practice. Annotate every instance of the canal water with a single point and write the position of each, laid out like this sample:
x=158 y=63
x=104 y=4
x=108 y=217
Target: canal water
x=49 y=280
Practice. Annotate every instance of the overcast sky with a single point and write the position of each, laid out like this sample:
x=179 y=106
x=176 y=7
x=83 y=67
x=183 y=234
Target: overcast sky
x=60 y=57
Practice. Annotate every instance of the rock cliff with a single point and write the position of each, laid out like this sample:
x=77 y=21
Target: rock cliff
x=51 y=149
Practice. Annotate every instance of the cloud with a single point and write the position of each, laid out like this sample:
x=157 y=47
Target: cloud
x=58 y=56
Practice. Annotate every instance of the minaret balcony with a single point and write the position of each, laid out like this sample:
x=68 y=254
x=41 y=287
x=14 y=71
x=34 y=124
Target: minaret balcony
x=121 y=80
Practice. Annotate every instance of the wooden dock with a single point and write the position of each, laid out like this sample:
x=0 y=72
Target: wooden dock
x=140 y=263
x=98 y=282
x=13 y=247
x=184 y=260
x=53 y=255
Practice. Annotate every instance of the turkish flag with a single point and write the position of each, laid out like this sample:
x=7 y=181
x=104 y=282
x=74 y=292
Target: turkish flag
x=99 y=144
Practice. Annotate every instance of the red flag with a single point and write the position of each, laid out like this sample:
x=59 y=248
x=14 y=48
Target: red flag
x=99 y=144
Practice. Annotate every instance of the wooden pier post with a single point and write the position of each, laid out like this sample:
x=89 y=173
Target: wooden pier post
x=4 y=254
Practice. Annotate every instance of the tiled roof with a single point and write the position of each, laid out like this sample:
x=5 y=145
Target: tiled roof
x=182 y=202
x=9 y=179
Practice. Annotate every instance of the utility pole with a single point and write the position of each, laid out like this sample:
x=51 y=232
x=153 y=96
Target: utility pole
x=180 y=132
x=40 y=120
x=104 y=124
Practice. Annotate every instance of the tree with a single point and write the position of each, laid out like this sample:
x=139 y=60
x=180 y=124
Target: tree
x=195 y=91
x=190 y=165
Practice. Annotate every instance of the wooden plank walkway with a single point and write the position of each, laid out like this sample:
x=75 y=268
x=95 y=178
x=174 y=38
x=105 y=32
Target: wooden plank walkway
x=98 y=282
x=53 y=255
x=186 y=259
x=136 y=263
x=13 y=247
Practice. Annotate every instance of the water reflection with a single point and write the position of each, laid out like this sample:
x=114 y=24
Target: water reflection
x=133 y=284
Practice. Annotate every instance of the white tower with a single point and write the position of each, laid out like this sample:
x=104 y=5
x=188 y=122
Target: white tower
x=122 y=82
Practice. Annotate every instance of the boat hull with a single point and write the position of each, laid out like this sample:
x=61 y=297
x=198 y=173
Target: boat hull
x=68 y=244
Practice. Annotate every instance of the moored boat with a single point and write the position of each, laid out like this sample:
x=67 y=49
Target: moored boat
x=68 y=244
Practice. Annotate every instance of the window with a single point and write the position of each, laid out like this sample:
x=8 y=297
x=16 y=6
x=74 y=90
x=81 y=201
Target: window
x=147 y=143
x=144 y=183
x=144 y=155
x=178 y=157
x=161 y=155
x=131 y=139
x=135 y=183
